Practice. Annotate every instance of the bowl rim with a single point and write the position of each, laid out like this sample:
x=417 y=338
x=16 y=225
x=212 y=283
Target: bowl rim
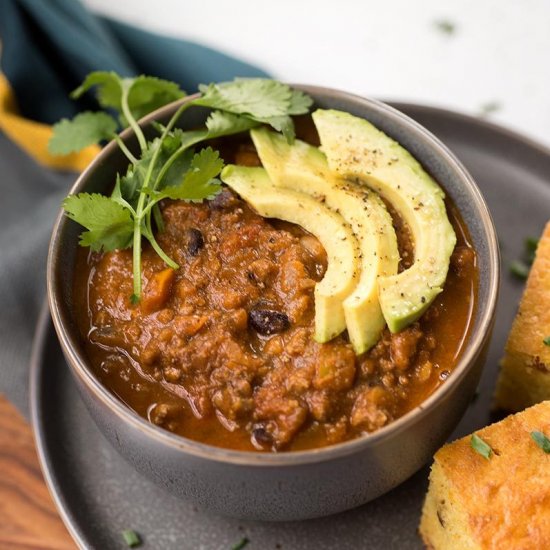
x=178 y=443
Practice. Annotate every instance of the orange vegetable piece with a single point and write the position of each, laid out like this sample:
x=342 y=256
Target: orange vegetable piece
x=157 y=290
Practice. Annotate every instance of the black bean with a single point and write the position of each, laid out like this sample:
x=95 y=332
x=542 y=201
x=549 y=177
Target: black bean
x=223 y=200
x=262 y=437
x=195 y=241
x=267 y=321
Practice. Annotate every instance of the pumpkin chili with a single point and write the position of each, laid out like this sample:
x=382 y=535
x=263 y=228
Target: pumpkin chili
x=221 y=351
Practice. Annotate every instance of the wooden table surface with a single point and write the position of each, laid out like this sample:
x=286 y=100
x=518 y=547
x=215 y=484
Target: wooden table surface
x=28 y=517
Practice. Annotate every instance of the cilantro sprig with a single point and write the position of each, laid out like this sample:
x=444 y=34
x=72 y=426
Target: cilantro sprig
x=171 y=166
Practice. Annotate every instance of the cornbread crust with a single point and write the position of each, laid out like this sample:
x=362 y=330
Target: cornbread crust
x=524 y=378
x=498 y=503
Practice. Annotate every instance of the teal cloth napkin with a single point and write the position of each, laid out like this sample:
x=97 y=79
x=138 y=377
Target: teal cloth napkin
x=47 y=49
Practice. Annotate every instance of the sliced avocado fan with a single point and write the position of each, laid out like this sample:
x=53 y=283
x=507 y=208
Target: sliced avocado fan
x=357 y=150
x=304 y=168
x=342 y=274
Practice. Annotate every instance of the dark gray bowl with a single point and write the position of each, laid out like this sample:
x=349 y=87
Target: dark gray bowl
x=294 y=485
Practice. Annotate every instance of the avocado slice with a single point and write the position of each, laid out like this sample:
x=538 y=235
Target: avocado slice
x=304 y=168
x=357 y=150
x=342 y=274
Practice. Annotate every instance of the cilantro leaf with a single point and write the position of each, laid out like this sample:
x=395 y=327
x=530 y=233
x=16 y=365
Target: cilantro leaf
x=190 y=191
x=541 y=440
x=300 y=103
x=84 y=129
x=148 y=93
x=223 y=124
x=179 y=166
x=109 y=224
x=188 y=138
x=258 y=97
x=132 y=182
x=145 y=93
x=480 y=447
x=282 y=124
x=108 y=88
x=200 y=181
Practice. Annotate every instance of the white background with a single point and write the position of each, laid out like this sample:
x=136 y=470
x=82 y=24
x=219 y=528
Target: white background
x=499 y=51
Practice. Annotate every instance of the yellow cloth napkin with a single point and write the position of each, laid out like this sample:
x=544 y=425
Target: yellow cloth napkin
x=33 y=136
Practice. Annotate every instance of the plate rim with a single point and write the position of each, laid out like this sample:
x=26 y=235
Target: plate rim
x=484 y=122
x=44 y=327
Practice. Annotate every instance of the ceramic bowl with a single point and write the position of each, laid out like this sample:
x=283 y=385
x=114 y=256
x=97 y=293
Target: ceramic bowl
x=288 y=485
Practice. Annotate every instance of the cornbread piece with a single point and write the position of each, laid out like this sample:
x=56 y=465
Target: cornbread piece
x=525 y=370
x=501 y=502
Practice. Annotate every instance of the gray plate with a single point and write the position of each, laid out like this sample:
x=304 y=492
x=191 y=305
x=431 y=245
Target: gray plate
x=99 y=495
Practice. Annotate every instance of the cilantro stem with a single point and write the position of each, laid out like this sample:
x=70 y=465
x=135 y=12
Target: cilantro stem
x=168 y=164
x=175 y=117
x=174 y=157
x=147 y=210
x=126 y=205
x=141 y=209
x=148 y=234
x=136 y=259
x=125 y=149
x=156 y=153
x=126 y=87
x=158 y=218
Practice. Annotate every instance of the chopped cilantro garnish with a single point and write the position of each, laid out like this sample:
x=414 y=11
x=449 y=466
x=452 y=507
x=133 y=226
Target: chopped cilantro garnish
x=84 y=129
x=541 y=440
x=489 y=108
x=480 y=447
x=131 y=538
x=531 y=244
x=241 y=544
x=546 y=341
x=445 y=26
x=168 y=166
x=519 y=269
